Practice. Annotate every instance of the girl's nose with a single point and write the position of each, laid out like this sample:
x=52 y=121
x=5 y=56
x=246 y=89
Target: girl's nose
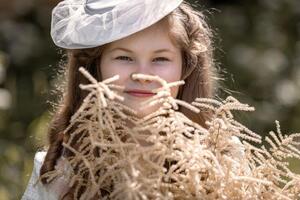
x=144 y=68
x=143 y=81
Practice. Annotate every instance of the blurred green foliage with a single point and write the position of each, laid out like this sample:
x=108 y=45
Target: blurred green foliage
x=257 y=45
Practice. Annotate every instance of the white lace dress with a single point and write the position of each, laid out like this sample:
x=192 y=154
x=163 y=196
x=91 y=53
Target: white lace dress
x=36 y=190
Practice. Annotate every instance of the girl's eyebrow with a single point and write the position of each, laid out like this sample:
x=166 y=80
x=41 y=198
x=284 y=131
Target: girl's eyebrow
x=163 y=50
x=130 y=51
x=122 y=49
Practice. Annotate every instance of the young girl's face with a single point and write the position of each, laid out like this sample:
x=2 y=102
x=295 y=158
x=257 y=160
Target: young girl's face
x=150 y=52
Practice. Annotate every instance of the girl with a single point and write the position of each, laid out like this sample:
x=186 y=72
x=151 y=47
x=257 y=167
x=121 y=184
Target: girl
x=123 y=37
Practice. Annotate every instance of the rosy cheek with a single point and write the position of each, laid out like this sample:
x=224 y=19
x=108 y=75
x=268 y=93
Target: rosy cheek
x=171 y=72
x=117 y=70
x=108 y=70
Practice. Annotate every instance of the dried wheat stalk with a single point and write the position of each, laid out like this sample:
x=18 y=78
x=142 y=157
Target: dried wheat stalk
x=181 y=159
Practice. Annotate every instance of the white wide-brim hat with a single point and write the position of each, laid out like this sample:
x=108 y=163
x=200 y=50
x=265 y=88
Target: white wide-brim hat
x=78 y=24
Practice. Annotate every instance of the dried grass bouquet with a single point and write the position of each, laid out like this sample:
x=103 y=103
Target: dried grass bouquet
x=111 y=154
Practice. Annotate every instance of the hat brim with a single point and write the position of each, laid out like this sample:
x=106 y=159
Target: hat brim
x=79 y=26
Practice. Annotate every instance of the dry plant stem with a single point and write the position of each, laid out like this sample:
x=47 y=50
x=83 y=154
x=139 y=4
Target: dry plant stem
x=167 y=156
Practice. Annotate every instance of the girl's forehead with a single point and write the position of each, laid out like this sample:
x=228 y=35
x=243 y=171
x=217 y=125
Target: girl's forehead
x=154 y=37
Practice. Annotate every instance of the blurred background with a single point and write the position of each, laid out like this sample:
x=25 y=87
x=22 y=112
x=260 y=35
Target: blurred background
x=257 y=48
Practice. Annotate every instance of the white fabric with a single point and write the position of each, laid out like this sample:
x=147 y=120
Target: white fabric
x=35 y=190
x=78 y=24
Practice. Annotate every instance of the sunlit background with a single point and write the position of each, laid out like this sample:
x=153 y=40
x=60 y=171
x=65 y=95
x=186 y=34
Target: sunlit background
x=257 y=48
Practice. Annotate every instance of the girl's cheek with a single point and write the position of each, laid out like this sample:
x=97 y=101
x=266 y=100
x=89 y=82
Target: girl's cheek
x=124 y=74
x=170 y=73
x=111 y=69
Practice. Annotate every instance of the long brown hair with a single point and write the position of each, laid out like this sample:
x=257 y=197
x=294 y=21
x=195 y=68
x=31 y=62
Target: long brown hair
x=188 y=30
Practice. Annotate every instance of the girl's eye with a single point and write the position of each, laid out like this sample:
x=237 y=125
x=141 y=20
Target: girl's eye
x=161 y=59
x=124 y=58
